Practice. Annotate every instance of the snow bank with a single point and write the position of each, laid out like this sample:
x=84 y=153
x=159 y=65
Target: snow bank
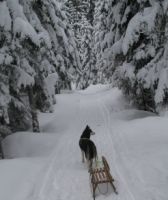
x=95 y=88
x=28 y=144
x=18 y=178
x=141 y=144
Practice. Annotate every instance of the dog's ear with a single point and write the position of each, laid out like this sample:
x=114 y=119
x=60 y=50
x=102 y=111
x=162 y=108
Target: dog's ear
x=87 y=127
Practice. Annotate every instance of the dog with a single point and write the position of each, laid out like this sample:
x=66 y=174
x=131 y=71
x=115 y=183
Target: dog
x=87 y=146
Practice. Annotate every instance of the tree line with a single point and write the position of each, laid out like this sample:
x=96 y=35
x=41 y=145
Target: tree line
x=47 y=44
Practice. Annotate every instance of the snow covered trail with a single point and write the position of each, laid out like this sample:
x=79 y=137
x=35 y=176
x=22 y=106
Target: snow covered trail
x=95 y=113
x=139 y=143
x=66 y=177
x=48 y=166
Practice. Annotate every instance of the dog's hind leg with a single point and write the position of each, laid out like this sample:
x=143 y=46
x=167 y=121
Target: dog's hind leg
x=83 y=156
x=89 y=163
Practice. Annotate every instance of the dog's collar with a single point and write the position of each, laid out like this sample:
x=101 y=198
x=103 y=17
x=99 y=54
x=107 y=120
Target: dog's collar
x=84 y=139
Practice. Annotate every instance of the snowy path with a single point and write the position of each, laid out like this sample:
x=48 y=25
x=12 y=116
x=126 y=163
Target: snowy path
x=48 y=166
x=66 y=177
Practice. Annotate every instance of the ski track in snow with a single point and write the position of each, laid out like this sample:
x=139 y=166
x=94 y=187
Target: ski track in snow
x=65 y=176
x=124 y=190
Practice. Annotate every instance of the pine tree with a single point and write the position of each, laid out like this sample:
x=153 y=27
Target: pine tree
x=37 y=51
x=140 y=50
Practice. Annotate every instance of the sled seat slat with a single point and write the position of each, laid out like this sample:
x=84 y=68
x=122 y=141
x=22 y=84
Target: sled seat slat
x=99 y=176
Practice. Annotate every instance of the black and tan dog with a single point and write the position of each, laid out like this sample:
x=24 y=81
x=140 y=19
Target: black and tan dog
x=88 y=147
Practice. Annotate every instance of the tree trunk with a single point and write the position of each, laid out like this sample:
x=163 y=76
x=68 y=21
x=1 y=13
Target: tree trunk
x=1 y=149
x=35 y=122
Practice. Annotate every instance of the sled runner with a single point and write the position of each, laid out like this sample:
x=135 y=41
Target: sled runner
x=101 y=175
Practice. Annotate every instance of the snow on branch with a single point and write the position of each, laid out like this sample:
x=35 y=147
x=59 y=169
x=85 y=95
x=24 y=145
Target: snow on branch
x=16 y=9
x=5 y=19
x=26 y=30
x=5 y=58
x=23 y=78
x=127 y=70
x=162 y=85
x=4 y=91
x=142 y=22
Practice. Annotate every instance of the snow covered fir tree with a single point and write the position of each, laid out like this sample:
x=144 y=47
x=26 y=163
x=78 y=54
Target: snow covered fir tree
x=131 y=47
x=45 y=45
x=38 y=56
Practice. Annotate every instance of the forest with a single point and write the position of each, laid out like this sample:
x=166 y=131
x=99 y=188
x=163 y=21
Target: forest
x=50 y=45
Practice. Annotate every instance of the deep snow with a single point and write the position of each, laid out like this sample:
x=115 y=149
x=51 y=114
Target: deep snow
x=47 y=166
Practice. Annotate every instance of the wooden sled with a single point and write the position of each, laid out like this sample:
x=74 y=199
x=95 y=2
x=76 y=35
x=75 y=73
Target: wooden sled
x=101 y=175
